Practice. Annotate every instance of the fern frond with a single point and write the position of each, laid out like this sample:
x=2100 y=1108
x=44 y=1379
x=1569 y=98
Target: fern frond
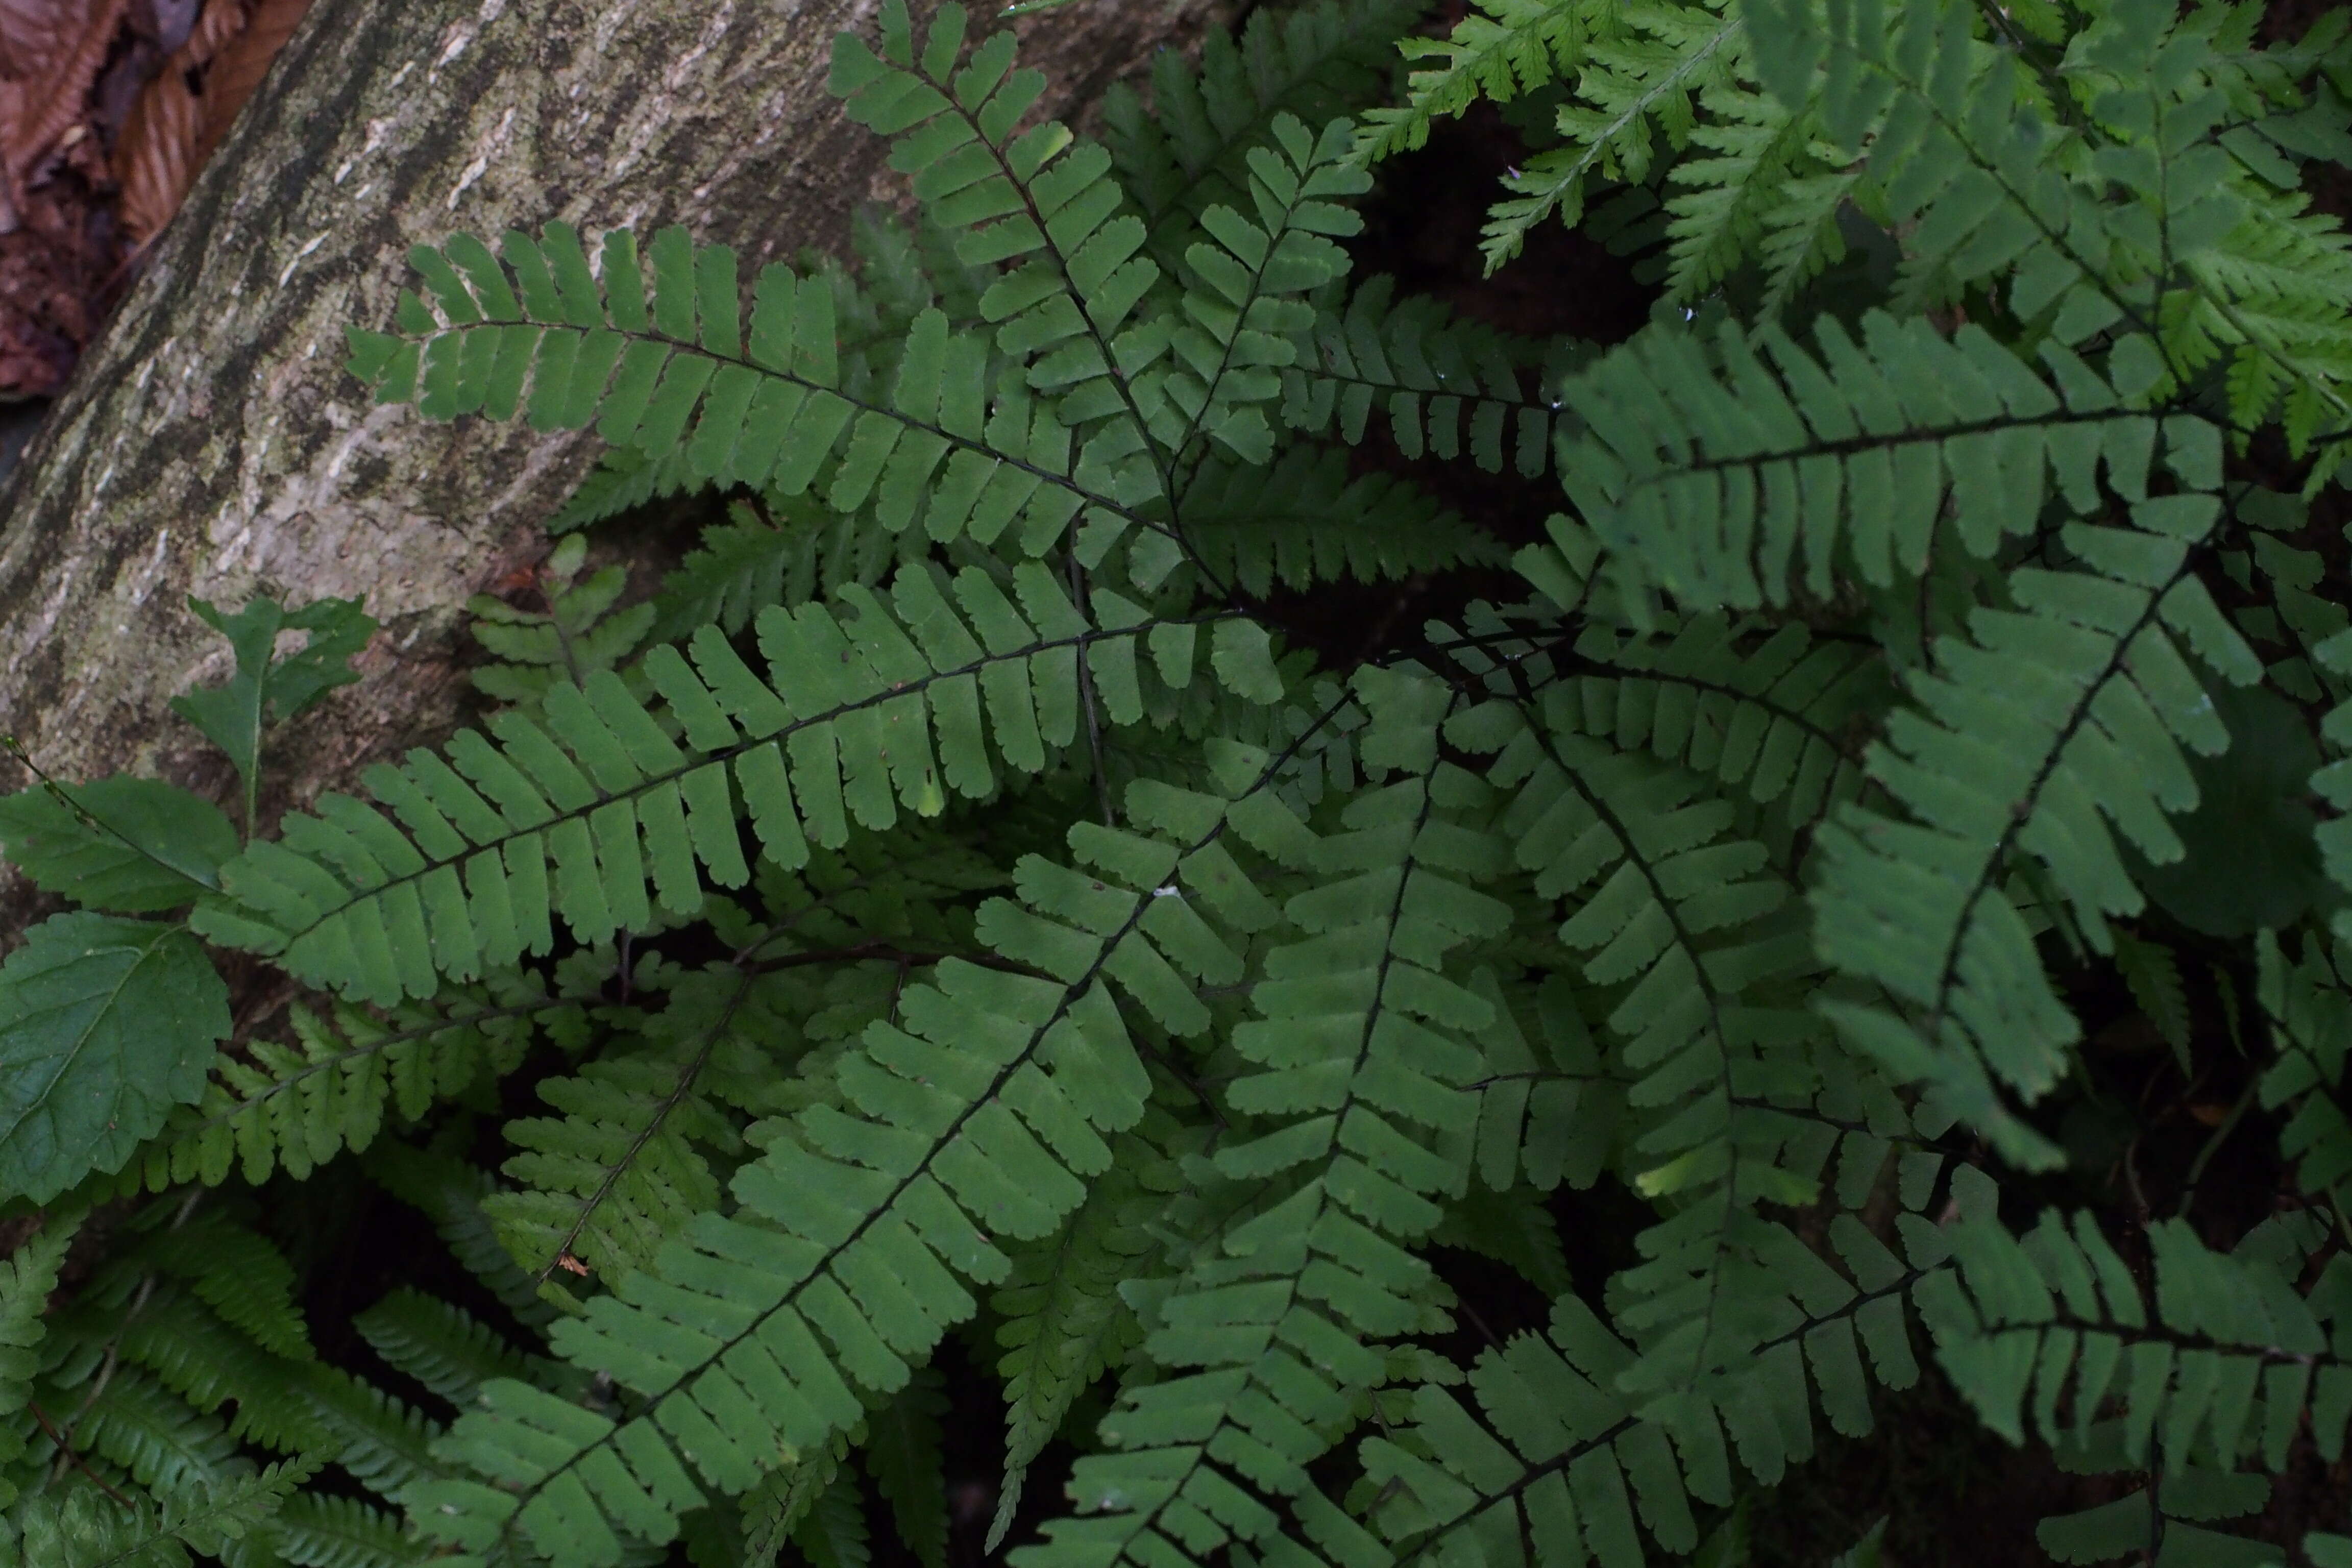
x=1687 y=924
x=1503 y=48
x=385 y=1444
x=974 y=1116
x=1064 y=1324
x=1190 y=152
x=449 y=1192
x=578 y=632
x=2310 y=1014
x=742 y=566
x=1353 y=1123
x=1962 y=146
x=83 y=1528
x=1638 y=87
x=195 y=1352
x=620 y=1172
x=296 y=1106
x=27 y=1277
x=1771 y=716
x=1305 y=520
x=1738 y=483
x=318 y=1531
x=1732 y=200
x=2056 y=718
x=154 y=1434
x=442 y=1346
x=602 y=810
x=240 y=1274
x=1551 y=1118
x=2057 y=1314
x=676 y=377
x=1438 y=379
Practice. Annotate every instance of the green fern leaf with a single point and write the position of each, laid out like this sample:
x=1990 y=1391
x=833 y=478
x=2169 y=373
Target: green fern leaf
x=1064 y=1324
x=81 y=1529
x=1503 y=48
x=1639 y=85
x=602 y=810
x=317 y=1531
x=444 y=1347
x=27 y=1277
x=296 y=1106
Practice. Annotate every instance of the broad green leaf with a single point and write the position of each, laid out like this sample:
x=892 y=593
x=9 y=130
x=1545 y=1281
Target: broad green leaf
x=269 y=686
x=123 y=844
x=105 y=1025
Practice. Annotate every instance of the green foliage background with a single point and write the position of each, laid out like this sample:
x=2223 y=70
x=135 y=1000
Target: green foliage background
x=1103 y=880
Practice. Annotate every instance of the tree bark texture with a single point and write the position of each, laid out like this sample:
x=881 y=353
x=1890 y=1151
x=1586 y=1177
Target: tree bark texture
x=211 y=442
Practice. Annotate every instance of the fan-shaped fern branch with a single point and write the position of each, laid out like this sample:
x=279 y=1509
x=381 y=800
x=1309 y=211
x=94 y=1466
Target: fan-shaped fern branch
x=977 y=1118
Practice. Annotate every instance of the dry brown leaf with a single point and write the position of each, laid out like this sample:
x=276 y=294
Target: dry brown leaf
x=239 y=67
x=216 y=24
x=33 y=30
x=56 y=87
x=156 y=160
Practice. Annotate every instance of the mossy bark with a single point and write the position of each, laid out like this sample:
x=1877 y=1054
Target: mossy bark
x=211 y=444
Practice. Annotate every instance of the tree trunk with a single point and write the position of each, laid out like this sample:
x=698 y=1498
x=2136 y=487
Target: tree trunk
x=211 y=444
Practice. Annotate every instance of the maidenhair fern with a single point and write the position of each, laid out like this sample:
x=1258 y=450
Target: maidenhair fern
x=1199 y=810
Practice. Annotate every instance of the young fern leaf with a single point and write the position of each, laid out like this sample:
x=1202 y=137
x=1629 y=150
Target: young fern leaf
x=602 y=811
x=81 y=1527
x=1496 y=52
x=975 y=1117
x=1965 y=151
x=622 y=1170
x=742 y=566
x=27 y=1277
